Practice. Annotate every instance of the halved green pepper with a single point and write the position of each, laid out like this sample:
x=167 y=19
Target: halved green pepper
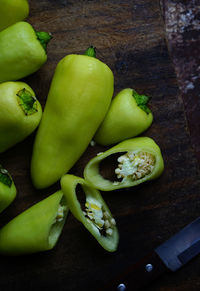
x=79 y=97
x=22 y=51
x=12 y=11
x=128 y=116
x=95 y=215
x=20 y=113
x=136 y=160
x=7 y=189
x=36 y=229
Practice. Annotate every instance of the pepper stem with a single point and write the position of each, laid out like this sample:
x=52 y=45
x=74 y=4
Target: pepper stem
x=5 y=177
x=44 y=38
x=27 y=102
x=142 y=101
x=91 y=52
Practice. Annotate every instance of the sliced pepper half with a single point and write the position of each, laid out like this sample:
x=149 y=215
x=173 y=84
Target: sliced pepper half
x=36 y=229
x=7 y=189
x=95 y=216
x=137 y=160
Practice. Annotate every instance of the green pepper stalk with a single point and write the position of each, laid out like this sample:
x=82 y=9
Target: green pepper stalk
x=95 y=216
x=22 y=51
x=20 y=113
x=36 y=229
x=128 y=116
x=79 y=97
x=139 y=160
x=7 y=189
x=90 y=52
x=12 y=11
x=44 y=38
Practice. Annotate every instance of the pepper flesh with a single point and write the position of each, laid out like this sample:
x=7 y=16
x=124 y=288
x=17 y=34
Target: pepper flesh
x=128 y=116
x=12 y=11
x=21 y=52
x=7 y=189
x=96 y=217
x=36 y=229
x=20 y=113
x=77 y=102
x=139 y=160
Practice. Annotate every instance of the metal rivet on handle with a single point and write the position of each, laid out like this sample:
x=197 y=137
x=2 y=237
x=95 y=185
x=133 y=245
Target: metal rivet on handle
x=121 y=287
x=149 y=267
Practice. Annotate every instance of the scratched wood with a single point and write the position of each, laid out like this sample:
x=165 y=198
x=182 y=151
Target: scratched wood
x=182 y=24
x=130 y=38
x=182 y=20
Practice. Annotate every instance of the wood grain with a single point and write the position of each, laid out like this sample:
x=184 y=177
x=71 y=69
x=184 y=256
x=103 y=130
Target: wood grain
x=182 y=19
x=130 y=38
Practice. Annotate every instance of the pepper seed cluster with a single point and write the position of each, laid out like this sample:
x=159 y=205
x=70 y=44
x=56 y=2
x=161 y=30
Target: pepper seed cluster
x=102 y=220
x=134 y=165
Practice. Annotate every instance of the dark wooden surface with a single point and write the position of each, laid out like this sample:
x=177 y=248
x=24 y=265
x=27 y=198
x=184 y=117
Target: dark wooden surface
x=130 y=38
x=182 y=19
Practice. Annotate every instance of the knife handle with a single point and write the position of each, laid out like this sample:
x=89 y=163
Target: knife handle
x=138 y=275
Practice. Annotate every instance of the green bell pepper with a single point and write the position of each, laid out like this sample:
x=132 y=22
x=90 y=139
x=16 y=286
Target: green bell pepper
x=12 y=11
x=22 y=51
x=128 y=116
x=20 y=113
x=79 y=97
x=36 y=229
x=136 y=160
x=95 y=215
x=7 y=189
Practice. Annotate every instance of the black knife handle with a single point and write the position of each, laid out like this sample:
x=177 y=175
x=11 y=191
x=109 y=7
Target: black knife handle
x=138 y=275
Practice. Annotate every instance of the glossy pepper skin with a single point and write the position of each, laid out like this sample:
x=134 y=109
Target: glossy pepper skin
x=128 y=116
x=20 y=113
x=79 y=97
x=127 y=167
x=7 y=189
x=22 y=51
x=12 y=11
x=96 y=216
x=36 y=229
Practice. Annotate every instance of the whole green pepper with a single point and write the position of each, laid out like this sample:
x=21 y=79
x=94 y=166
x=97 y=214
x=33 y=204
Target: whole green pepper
x=128 y=116
x=79 y=97
x=36 y=229
x=7 y=189
x=137 y=160
x=95 y=215
x=20 y=113
x=12 y=11
x=22 y=51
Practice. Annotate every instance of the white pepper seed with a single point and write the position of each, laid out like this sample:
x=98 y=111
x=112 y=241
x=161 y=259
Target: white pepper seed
x=109 y=231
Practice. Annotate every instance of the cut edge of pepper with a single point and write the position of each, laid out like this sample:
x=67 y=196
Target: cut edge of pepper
x=95 y=163
x=109 y=243
x=57 y=223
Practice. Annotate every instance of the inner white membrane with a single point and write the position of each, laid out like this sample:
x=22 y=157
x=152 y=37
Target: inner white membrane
x=99 y=218
x=134 y=165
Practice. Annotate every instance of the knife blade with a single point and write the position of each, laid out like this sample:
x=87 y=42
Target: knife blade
x=170 y=255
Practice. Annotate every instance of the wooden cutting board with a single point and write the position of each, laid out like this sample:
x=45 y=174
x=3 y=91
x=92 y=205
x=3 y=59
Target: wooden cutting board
x=130 y=38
